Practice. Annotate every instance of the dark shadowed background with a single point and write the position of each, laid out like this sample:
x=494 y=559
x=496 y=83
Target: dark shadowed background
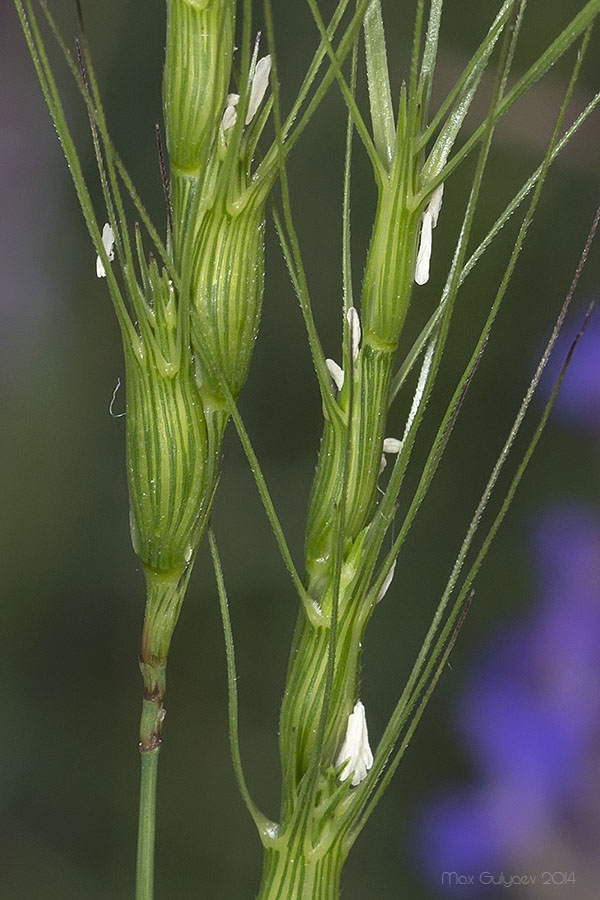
x=72 y=591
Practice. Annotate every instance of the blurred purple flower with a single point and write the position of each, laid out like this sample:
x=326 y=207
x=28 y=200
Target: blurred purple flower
x=578 y=401
x=567 y=550
x=530 y=715
x=463 y=833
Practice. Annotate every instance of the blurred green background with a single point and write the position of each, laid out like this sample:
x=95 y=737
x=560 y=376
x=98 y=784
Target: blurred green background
x=72 y=592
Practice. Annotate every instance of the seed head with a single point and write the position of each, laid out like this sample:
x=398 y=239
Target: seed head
x=200 y=36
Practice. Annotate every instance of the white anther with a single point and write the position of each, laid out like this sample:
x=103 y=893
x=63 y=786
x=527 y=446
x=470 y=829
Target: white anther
x=229 y=118
x=336 y=372
x=355 y=750
x=355 y=331
x=435 y=204
x=392 y=445
x=428 y=223
x=108 y=242
x=388 y=580
x=424 y=252
x=260 y=83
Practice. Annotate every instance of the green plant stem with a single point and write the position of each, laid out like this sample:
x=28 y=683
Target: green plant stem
x=153 y=714
x=164 y=598
x=147 y=824
x=293 y=872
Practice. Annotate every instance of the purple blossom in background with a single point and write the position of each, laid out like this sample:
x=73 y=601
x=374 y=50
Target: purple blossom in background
x=529 y=717
x=578 y=401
